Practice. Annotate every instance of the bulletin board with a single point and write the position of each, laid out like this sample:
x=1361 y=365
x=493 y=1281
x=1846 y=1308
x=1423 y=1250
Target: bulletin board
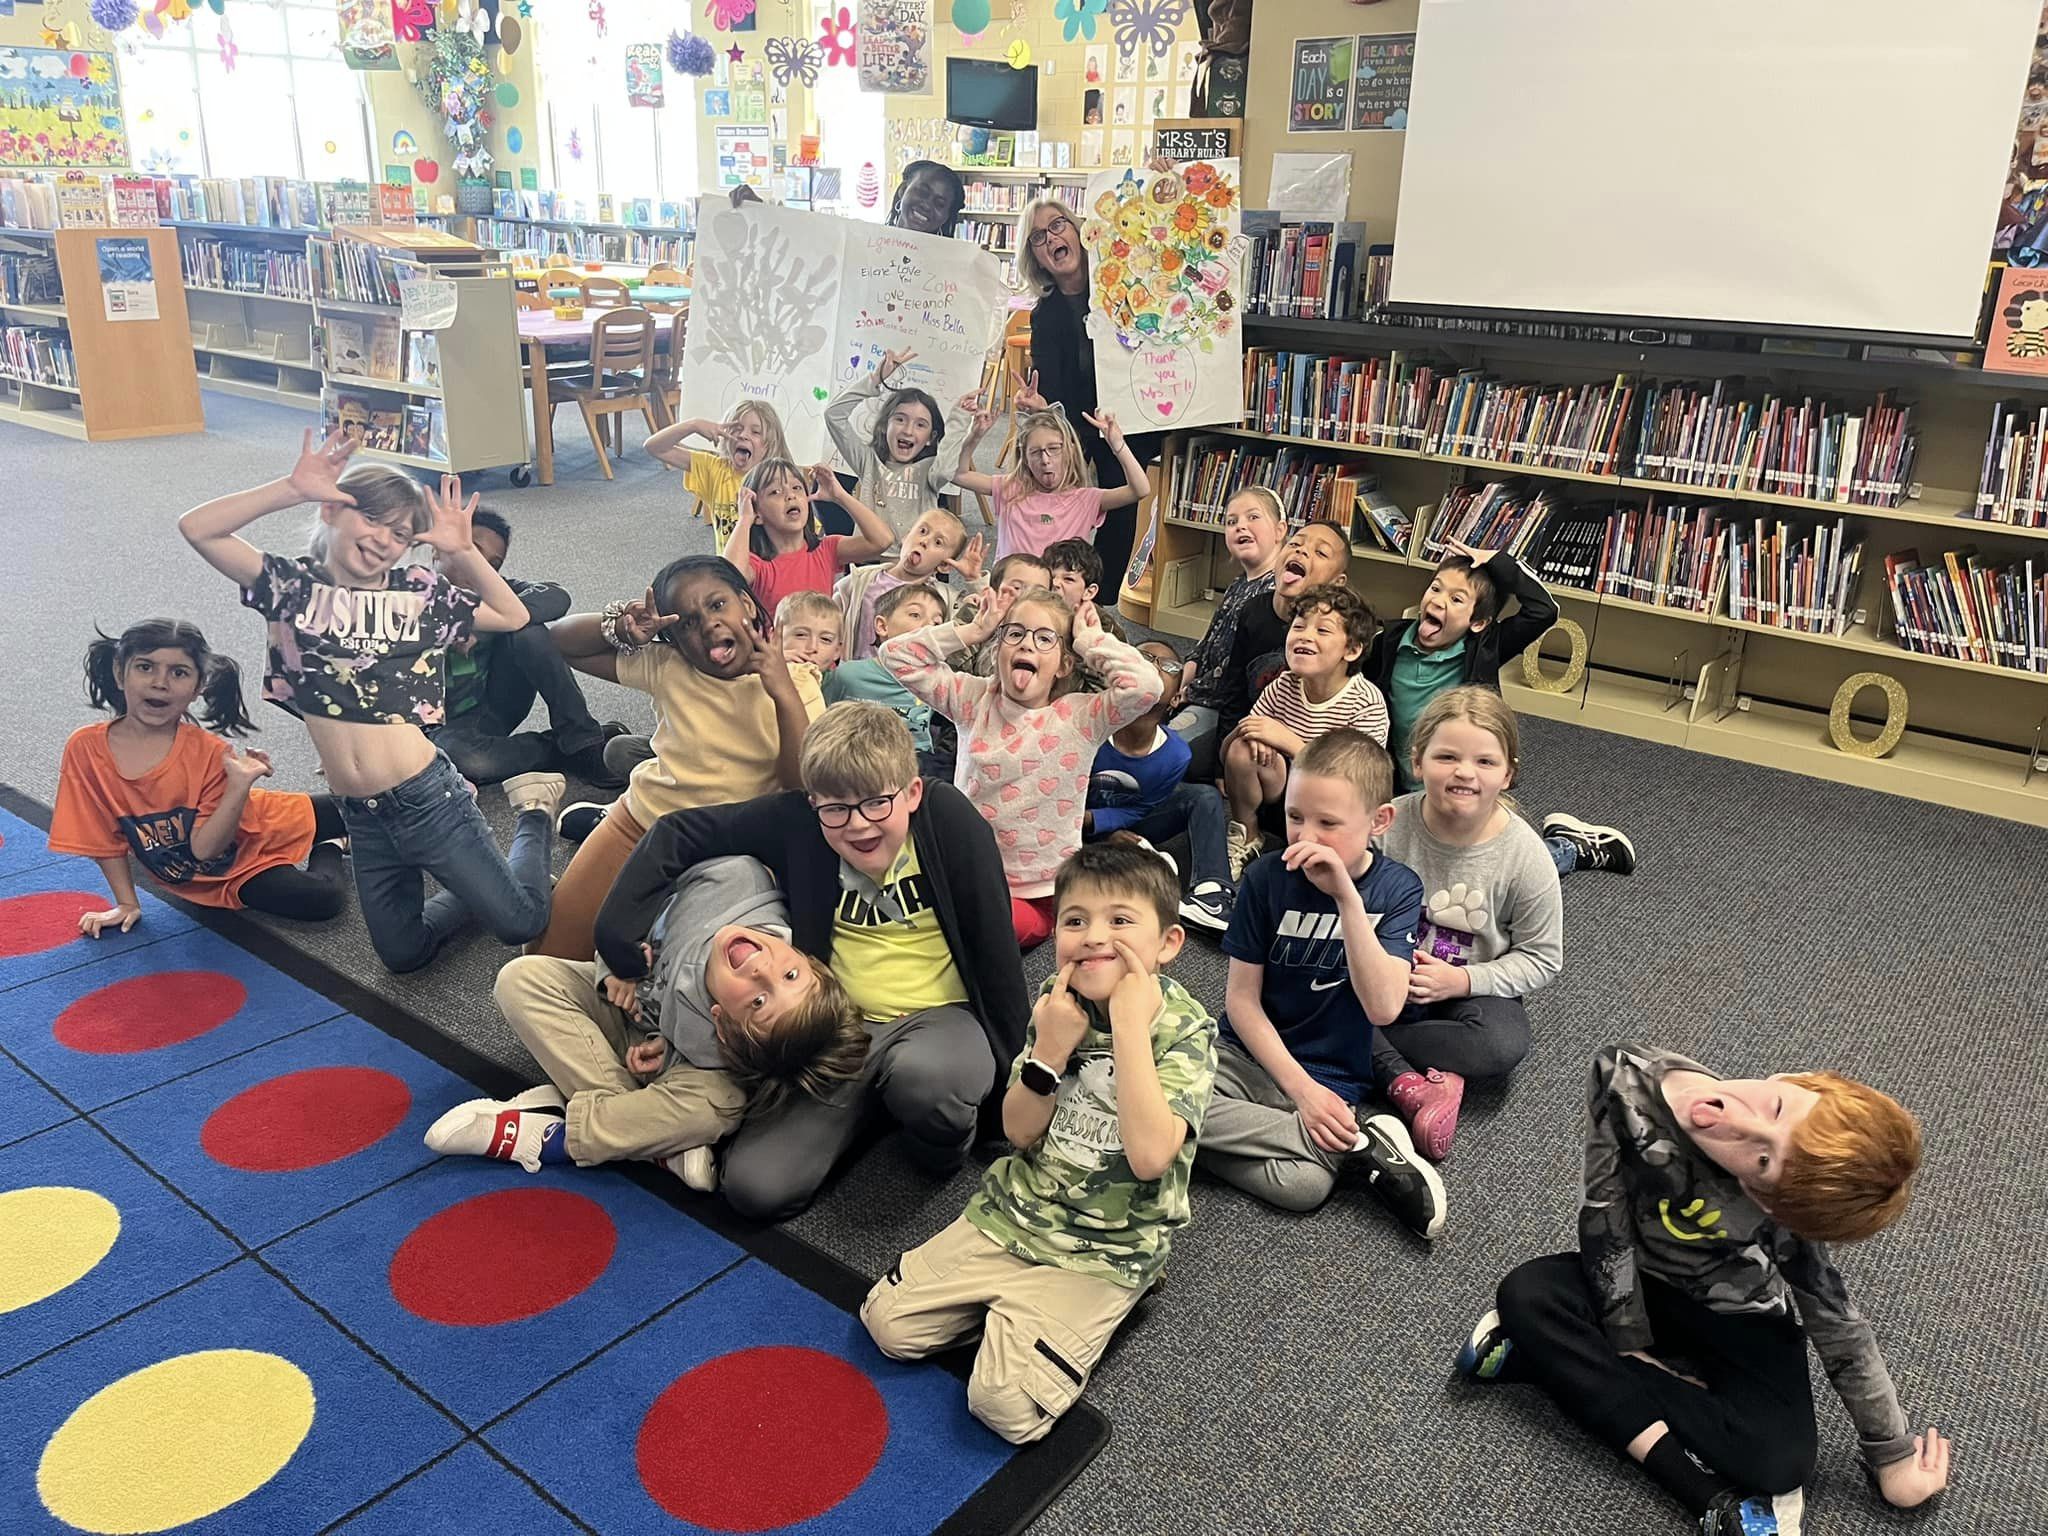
x=60 y=108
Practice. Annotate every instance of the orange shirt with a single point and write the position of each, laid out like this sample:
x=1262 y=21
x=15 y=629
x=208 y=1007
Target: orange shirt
x=103 y=814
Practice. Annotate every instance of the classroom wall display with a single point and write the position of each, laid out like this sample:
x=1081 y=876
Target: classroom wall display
x=1381 y=69
x=743 y=156
x=52 y=115
x=365 y=34
x=789 y=306
x=894 y=46
x=1319 y=95
x=643 y=75
x=1166 y=294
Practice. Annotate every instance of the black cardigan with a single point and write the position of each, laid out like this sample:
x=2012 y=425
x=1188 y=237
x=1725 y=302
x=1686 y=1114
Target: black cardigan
x=1485 y=652
x=956 y=850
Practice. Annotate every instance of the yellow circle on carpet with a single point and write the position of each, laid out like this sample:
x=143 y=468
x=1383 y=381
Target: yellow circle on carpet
x=175 y=1441
x=56 y=1236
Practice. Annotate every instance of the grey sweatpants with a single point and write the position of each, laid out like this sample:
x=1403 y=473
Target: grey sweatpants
x=1254 y=1137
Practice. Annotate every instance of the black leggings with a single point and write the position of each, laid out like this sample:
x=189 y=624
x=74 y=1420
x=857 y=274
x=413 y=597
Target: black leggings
x=313 y=894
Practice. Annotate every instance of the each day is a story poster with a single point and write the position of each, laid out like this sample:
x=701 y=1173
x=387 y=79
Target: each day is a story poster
x=1319 y=92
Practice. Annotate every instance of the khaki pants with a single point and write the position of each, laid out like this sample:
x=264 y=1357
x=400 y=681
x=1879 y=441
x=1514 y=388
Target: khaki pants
x=559 y=1013
x=1043 y=1327
x=571 y=933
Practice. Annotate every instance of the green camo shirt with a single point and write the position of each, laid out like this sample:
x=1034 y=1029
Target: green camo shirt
x=1071 y=1199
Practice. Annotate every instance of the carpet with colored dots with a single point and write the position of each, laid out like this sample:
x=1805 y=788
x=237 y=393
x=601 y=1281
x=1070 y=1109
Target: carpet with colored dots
x=238 y=1295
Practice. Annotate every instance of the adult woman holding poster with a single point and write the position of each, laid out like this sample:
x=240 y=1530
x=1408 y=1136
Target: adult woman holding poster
x=1054 y=265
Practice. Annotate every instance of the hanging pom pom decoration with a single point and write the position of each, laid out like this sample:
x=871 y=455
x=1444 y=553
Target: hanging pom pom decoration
x=689 y=54
x=868 y=189
x=114 y=15
x=837 y=37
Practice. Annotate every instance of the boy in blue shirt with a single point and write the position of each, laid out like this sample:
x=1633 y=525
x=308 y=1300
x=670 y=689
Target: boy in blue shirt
x=900 y=610
x=1320 y=946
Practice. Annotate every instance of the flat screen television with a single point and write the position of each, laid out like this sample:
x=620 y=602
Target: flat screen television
x=987 y=93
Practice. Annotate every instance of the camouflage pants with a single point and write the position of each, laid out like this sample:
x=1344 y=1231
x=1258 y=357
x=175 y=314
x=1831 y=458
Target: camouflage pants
x=1042 y=1327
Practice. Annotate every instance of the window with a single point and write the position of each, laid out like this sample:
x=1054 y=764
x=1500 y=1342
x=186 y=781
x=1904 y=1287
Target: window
x=189 y=113
x=852 y=132
x=600 y=142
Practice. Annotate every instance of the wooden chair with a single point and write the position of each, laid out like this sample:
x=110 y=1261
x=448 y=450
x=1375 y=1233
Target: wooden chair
x=621 y=379
x=1011 y=369
x=604 y=292
x=668 y=364
x=529 y=300
x=662 y=275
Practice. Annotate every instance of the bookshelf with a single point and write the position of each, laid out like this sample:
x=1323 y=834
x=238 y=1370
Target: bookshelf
x=251 y=304
x=997 y=196
x=1977 y=730
x=632 y=245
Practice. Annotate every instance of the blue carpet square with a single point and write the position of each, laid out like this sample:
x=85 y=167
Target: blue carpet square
x=165 y=1127
x=345 y=1264
x=159 y=1242
x=468 y=1494
x=26 y=1106
x=368 y=1429
x=23 y=846
x=159 y=919
x=272 y=1005
x=578 y=1438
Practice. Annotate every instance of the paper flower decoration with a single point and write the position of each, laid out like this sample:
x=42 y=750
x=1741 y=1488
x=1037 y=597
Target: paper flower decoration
x=689 y=54
x=1159 y=263
x=1149 y=24
x=1018 y=54
x=1079 y=17
x=836 y=37
x=727 y=14
x=411 y=20
x=476 y=21
x=792 y=59
x=114 y=15
x=230 y=50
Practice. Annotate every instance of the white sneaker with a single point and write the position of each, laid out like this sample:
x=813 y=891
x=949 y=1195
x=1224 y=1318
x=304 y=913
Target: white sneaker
x=1243 y=847
x=1208 y=906
x=697 y=1168
x=512 y=1130
x=535 y=792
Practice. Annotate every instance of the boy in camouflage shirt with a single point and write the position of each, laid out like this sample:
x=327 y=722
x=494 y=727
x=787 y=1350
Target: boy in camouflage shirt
x=1104 y=1103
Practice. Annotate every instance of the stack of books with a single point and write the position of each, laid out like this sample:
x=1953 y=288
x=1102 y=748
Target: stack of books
x=2013 y=486
x=1708 y=436
x=30 y=280
x=1382 y=402
x=1568 y=552
x=1793 y=576
x=39 y=355
x=265 y=270
x=1995 y=614
x=1309 y=489
x=1557 y=427
x=1491 y=516
x=354 y=272
x=1306 y=269
x=1672 y=557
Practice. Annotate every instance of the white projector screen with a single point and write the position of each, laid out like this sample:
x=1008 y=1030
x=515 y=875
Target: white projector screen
x=1808 y=164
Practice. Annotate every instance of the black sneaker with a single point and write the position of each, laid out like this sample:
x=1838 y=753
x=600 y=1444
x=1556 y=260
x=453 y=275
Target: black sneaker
x=1208 y=906
x=578 y=821
x=1758 y=1515
x=1485 y=1356
x=1406 y=1184
x=589 y=764
x=1598 y=848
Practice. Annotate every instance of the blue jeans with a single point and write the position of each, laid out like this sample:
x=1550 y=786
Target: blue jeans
x=430 y=825
x=1563 y=854
x=1198 y=810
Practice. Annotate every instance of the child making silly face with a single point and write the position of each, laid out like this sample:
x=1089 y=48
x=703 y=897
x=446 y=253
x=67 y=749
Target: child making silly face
x=778 y=542
x=809 y=629
x=936 y=545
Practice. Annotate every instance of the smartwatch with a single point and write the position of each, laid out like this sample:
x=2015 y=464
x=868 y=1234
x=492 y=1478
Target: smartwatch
x=1038 y=1077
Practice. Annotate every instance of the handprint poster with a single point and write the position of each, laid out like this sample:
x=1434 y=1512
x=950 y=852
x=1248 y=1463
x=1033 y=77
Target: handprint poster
x=789 y=306
x=1166 y=295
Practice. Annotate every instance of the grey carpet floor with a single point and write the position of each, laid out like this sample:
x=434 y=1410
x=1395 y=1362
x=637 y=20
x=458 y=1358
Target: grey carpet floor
x=1294 y=1374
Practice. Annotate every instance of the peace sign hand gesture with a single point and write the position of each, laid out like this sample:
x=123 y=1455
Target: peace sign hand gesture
x=891 y=361
x=642 y=621
x=1105 y=423
x=1028 y=398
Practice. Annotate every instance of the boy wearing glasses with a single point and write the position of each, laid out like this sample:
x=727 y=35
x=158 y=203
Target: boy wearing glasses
x=893 y=881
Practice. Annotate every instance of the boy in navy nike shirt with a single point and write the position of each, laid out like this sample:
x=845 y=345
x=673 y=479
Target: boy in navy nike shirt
x=1320 y=944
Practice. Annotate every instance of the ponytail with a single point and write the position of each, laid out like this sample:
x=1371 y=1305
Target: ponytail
x=220 y=680
x=221 y=698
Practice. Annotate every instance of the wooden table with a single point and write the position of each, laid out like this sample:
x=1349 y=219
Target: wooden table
x=539 y=330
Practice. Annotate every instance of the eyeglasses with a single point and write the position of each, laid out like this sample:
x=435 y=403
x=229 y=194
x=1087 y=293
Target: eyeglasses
x=1059 y=226
x=837 y=813
x=1037 y=639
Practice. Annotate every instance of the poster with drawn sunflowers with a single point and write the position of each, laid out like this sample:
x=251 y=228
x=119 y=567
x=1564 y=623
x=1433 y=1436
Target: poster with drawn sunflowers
x=1167 y=294
x=60 y=107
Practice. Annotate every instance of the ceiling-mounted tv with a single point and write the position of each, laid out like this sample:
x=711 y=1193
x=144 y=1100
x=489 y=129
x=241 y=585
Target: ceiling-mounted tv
x=987 y=93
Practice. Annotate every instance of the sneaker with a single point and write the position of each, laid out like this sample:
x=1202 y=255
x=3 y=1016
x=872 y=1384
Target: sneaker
x=1208 y=906
x=1758 y=1515
x=1484 y=1356
x=589 y=765
x=1597 y=847
x=512 y=1130
x=1429 y=1102
x=1407 y=1185
x=1244 y=846
x=625 y=751
x=535 y=792
x=578 y=821
x=697 y=1168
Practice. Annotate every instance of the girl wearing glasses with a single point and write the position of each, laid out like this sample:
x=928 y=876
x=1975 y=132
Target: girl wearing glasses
x=1025 y=755
x=1046 y=497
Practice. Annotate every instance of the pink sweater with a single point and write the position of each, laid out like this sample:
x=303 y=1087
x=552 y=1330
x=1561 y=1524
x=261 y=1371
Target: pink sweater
x=1026 y=770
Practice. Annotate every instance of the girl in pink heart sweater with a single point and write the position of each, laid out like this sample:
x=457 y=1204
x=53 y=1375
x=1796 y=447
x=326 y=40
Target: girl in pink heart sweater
x=1025 y=755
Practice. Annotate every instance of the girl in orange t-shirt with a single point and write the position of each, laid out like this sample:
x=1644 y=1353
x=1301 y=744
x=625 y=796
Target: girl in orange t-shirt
x=181 y=799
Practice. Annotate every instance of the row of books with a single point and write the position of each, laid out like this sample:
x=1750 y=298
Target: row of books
x=2013 y=485
x=1309 y=490
x=1491 y=516
x=30 y=280
x=1303 y=269
x=1964 y=608
x=996 y=235
x=263 y=202
x=608 y=209
x=367 y=349
x=1708 y=435
x=1379 y=401
x=265 y=270
x=999 y=196
x=625 y=247
x=354 y=272
x=1669 y=556
x=38 y=354
x=1793 y=576
x=1556 y=427
x=374 y=422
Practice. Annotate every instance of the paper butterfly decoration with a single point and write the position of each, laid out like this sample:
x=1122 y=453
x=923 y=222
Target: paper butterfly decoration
x=411 y=19
x=727 y=14
x=476 y=21
x=793 y=59
x=1146 y=23
x=837 y=38
x=1079 y=17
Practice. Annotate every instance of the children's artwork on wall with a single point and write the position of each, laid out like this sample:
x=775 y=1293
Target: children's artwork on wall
x=1091 y=147
x=1126 y=68
x=894 y=46
x=365 y=35
x=52 y=115
x=1123 y=146
x=1187 y=58
x=1091 y=107
x=643 y=75
x=1094 y=64
x=1166 y=294
x=1124 y=106
x=788 y=306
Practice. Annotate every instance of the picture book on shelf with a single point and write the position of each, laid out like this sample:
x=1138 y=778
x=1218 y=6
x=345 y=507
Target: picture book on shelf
x=346 y=352
x=386 y=429
x=418 y=431
x=423 y=358
x=383 y=362
x=437 y=431
x=1381 y=522
x=2018 y=342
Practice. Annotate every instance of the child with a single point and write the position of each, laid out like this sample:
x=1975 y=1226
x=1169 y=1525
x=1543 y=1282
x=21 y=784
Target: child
x=1319 y=692
x=180 y=798
x=1707 y=1202
x=810 y=630
x=749 y=436
x=1013 y=576
x=356 y=646
x=902 y=610
x=900 y=462
x=1254 y=528
x=1319 y=947
x=1025 y=755
x=1104 y=1105
x=937 y=545
x=894 y=882
x=729 y=718
x=1076 y=569
x=777 y=540
x=1492 y=930
x=1047 y=497
x=729 y=1018
x=1317 y=555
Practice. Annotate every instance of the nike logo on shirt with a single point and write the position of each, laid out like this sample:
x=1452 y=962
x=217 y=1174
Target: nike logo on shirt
x=1324 y=986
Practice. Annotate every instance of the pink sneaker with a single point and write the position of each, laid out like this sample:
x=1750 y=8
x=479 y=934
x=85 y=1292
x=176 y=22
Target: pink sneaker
x=1429 y=1102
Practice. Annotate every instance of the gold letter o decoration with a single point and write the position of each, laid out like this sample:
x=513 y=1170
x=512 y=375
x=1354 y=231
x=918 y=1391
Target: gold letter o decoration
x=1894 y=716
x=1574 y=669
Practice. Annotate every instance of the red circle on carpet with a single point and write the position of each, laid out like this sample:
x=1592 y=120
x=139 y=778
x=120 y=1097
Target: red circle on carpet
x=147 y=1013
x=31 y=924
x=761 y=1438
x=501 y=1257
x=304 y=1119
